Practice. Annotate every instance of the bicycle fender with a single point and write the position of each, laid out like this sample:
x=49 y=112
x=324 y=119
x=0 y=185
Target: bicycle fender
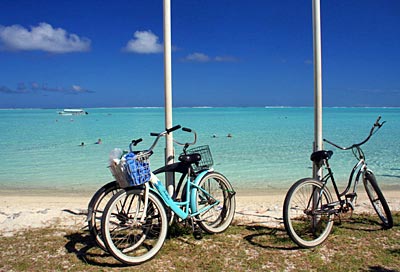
x=196 y=182
x=369 y=172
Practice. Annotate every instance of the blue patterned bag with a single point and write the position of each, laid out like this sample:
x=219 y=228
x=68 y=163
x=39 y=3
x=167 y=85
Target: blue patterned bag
x=137 y=169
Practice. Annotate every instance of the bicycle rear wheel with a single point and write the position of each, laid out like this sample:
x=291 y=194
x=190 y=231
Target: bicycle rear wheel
x=131 y=236
x=377 y=199
x=307 y=217
x=218 y=218
x=96 y=209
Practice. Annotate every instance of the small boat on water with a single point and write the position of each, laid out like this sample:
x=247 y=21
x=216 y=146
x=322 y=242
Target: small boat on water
x=72 y=112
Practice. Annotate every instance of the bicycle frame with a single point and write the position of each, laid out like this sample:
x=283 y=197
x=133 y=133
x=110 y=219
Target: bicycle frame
x=359 y=169
x=309 y=208
x=187 y=208
x=190 y=203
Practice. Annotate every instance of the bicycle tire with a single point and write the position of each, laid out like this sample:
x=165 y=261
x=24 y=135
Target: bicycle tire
x=218 y=218
x=96 y=208
x=126 y=237
x=307 y=227
x=377 y=199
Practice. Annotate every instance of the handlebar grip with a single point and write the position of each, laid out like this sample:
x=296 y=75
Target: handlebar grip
x=187 y=129
x=168 y=130
x=173 y=128
x=135 y=142
x=377 y=121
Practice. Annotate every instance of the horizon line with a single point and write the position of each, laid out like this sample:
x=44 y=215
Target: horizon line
x=195 y=107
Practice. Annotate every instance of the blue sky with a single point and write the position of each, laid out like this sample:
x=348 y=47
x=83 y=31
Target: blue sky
x=56 y=54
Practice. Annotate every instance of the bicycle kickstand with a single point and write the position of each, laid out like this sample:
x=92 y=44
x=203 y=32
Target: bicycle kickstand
x=337 y=215
x=197 y=233
x=351 y=199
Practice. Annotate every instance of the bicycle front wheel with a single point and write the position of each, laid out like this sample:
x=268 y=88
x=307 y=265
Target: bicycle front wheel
x=377 y=199
x=132 y=232
x=216 y=187
x=96 y=209
x=307 y=216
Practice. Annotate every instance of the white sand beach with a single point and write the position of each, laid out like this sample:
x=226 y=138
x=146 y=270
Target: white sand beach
x=20 y=212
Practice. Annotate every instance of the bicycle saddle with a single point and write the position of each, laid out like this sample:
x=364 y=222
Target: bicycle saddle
x=320 y=155
x=190 y=158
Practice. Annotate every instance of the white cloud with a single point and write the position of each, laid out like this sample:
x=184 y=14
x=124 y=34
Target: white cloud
x=200 y=57
x=35 y=87
x=225 y=59
x=4 y=89
x=42 y=37
x=78 y=89
x=144 y=42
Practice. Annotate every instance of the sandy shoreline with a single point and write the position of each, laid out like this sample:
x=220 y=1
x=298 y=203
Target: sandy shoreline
x=22 y=211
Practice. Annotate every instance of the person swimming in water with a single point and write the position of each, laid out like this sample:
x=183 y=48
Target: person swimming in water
x=98 y=141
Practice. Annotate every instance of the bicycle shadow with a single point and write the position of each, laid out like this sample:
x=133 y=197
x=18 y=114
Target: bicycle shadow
x=360 y=222
x=269 y=237
x=261 y=236
x=267 y=230
x=83 y=246
x=380 y=269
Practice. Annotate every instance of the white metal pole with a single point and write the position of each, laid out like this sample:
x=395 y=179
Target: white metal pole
x=169 y=148
x=317 y=172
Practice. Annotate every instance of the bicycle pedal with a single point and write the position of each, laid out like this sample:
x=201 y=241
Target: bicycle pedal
x=339 y=222
x=351 y=205
x=351 y=195
x=333 y=211
x=350 y=198
x=330 y=205
x=197 y=234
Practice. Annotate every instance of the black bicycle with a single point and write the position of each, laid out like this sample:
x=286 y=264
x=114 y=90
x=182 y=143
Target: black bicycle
x=309 y=208
x=98 y=203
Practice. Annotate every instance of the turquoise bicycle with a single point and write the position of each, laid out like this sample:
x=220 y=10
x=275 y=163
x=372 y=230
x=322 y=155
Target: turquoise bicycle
x=134 y=224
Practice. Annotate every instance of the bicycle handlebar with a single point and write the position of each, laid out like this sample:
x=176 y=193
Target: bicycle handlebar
x=184 y=129
x=373 y=130
x=187 y=144
x=159 y=135
x=135 y=142
x=167 y=131
x=162 y=134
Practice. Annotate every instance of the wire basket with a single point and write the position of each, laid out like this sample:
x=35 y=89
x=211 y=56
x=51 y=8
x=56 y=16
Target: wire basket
x=131 y=170
x=206 y=158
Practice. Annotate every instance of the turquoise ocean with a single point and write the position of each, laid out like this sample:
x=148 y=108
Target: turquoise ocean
x=269 y=148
